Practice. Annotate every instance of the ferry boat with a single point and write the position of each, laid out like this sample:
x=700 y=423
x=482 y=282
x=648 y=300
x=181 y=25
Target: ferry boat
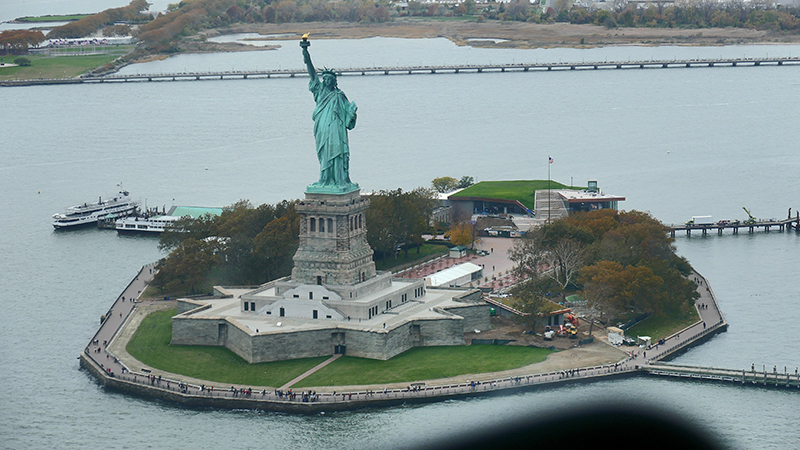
x=153 y=222
x=144 y=225
x=90 y=213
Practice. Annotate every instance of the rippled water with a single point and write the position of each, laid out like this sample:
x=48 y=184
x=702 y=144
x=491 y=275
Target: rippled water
x=677 y=142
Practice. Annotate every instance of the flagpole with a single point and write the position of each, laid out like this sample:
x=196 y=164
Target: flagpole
x=549 y=159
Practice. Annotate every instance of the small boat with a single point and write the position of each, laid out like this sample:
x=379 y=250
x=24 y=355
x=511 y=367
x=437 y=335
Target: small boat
x=90 y=213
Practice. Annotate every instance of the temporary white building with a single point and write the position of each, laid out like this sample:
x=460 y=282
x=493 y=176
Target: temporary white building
x=455 y=276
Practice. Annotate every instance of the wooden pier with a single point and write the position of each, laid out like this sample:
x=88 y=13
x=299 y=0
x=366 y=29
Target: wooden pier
x=763 y=377
x=765 y=225
x=419 y=70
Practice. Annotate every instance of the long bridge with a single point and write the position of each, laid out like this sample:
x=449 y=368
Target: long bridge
x=750 y=226
x=420 y=70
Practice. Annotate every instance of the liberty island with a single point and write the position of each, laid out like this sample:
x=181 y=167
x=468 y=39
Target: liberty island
x=335 y=302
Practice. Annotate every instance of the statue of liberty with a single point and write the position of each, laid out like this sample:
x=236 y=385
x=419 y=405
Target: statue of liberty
x=333 y=116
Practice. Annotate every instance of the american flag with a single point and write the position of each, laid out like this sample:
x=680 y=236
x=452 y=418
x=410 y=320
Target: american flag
x=551 y=159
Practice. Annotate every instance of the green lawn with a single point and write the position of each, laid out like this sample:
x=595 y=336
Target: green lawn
x=425 y=363
x=52 y=18
x=43 y=66
x=661 y=327
x=401 y=260
x=150 y=345
x=522 y=190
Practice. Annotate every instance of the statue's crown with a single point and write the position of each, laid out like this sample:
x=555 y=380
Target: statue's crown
x=327 y=71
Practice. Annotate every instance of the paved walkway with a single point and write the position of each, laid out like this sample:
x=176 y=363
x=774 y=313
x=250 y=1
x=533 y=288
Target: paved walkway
x=310 y=371
x=119 y=312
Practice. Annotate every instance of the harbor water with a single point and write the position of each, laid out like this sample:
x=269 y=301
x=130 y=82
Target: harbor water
x=675 y=142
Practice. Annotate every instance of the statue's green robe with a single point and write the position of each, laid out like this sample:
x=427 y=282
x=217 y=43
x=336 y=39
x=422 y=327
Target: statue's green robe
x=333 y=116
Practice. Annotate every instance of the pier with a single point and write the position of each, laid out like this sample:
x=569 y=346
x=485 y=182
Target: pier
x=419 y=70
x=761 y=225
x=752 y=376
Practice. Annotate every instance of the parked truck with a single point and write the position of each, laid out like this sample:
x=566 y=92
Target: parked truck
x=700 y=221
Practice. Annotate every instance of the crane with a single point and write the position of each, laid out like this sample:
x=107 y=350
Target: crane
x=751 y=220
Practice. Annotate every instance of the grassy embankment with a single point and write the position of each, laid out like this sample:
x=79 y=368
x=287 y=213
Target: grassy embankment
x=46 y=66
x=150 y=345
x=660 y=327
x=521 y=190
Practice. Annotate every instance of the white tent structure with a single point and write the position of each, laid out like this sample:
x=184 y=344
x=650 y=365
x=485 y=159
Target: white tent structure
x=455 y=276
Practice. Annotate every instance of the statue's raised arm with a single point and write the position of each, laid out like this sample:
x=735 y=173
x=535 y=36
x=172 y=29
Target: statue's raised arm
x=312 y=72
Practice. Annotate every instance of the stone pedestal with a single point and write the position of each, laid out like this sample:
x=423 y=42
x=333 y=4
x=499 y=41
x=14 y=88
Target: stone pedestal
x=333 y=240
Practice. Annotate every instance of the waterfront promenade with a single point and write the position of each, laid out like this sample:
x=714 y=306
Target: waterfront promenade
x=567 y=366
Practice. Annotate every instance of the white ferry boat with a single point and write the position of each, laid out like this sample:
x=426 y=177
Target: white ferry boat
x=90 y=213
x=157 y=223
x=144 y=225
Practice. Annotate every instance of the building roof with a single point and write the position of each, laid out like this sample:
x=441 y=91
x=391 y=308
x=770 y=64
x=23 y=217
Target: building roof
x=572 y=196
x=445 y=276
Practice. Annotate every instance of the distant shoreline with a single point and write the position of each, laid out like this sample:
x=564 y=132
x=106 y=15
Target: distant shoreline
x=498 y=34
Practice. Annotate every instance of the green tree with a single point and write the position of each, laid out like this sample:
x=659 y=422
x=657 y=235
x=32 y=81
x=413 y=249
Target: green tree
x=530 y=297
x=396 y=218
x=444 y=184
x=465 y=182
x=470 y=6
x=187 y=268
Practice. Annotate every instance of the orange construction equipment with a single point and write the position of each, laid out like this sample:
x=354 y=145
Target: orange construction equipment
x=574 y=320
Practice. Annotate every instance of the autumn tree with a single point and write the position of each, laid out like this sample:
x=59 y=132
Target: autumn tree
x=17 y=42
x=462 y=233
x=91 y=23
x=622 y=261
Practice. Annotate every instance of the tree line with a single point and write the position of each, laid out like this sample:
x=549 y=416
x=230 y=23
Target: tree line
x=248 y=245
x=188 y=17
x=621 y=263
x=89 y=24
x=16 y=42
x=658 y=14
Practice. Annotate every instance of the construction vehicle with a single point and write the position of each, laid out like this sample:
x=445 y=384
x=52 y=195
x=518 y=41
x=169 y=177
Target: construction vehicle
x=752 y=220
x=570 y=330
x=573 y=320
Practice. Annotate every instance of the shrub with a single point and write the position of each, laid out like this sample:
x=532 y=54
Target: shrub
x=22 y=61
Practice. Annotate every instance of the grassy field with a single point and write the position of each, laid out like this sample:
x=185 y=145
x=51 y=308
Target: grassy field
x=44 y=66
x=49 y=18
x=661 y=327
x=150 y=345
x=425 y=363
x=401 y=260
x=522 y=190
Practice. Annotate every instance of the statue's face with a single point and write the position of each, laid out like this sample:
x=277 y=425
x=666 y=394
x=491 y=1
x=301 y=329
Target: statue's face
x=329 y=80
